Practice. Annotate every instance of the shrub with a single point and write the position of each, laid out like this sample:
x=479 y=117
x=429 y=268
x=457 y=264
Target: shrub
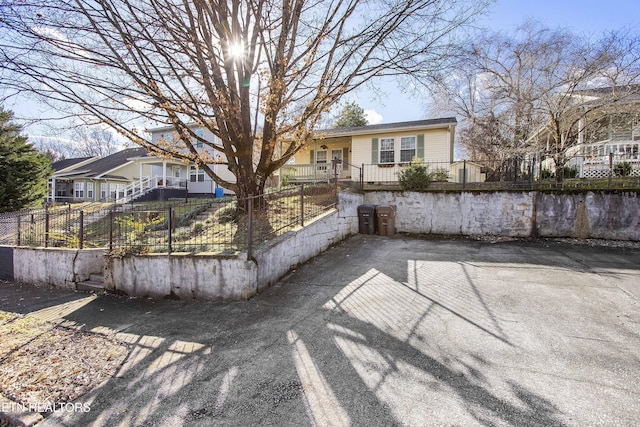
x=570 y=171
x=197 y=228
x=546 y=174
x=622 y=169
x=416 y=176
x=228 y=213
x=441 y=175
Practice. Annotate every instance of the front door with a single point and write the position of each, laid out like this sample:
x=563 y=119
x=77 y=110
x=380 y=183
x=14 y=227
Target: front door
x=337 y=154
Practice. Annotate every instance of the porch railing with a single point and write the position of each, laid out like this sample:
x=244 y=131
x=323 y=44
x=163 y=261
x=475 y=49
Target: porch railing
x=147 y=184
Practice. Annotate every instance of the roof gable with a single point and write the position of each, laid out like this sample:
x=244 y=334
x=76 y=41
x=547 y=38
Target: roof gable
x=109 y=163
x=69 y=164
x=103 y=165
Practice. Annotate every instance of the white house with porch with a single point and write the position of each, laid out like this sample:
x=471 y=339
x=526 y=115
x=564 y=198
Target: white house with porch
x=608 y=135
x=120 y=177
x=198 y=182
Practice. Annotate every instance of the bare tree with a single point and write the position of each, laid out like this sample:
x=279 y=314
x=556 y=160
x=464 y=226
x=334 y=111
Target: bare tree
x=78 y=141
x=528 y=91
x=246 y=70
x=94 y=142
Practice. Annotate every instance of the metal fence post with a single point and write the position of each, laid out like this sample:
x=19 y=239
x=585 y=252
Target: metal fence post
x=170 y=228
x=464 y=174
x=81 y=229
x=301 y=205
x=68 y=227
x=250 y=228
x=610 y=170
x=46 y=227
x=18 y=243
x=111 y=231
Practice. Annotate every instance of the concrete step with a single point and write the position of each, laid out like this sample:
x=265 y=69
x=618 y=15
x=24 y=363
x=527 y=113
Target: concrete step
x=97 y=277
x=90 y=285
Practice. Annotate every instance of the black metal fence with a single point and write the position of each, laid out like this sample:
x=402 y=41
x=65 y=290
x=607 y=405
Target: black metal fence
x=533 y=172
x=221 y=226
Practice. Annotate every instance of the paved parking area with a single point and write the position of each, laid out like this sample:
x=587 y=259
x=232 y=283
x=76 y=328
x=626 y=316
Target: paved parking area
x=380 y=331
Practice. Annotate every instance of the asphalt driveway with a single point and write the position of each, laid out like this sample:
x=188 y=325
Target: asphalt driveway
x=380 y=331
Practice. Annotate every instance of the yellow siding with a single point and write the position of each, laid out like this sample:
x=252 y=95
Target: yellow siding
x=437 y=148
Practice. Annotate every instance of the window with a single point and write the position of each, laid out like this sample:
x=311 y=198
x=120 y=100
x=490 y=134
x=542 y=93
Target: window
x=407 y=148
x=103 y=190
x=90 y=188
x=165 y=138
x=196 y=175
x=199 y=134
x=321 y=157
x=387 y=150
x=116 y=190
x=321 y=160
x=78 y=190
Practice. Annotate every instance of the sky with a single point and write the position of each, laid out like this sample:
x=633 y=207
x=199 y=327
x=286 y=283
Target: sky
x=589 y=17
x=592 y=17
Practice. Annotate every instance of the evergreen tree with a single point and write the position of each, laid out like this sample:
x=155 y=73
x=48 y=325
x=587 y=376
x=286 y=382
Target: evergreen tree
x=23 y=169
x=352 y=115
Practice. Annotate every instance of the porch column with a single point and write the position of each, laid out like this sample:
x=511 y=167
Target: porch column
x=140 y=177
x=164 y=173
x=314 y=165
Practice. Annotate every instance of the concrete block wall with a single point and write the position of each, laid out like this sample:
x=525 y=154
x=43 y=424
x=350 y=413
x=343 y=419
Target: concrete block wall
x=184 y=276
x=210 y=277
x=597 y=215
x=56 y=266
x=516 y=214
x=467 y=213
x=278 y=256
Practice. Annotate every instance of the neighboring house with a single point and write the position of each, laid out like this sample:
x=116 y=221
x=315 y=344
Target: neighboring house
x=607 y=135
x=121 y=176
x=375 y=152
x=199 y=183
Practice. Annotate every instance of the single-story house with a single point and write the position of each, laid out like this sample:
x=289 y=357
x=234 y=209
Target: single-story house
x=373 y=153
x=132 y=173
x=120 y=176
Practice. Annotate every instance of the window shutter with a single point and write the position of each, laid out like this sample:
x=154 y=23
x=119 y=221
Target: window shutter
x=312 y=158
x=420 y=152
x=374 y=151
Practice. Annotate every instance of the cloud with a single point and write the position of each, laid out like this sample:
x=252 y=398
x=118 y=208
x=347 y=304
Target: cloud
x=373 y=117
